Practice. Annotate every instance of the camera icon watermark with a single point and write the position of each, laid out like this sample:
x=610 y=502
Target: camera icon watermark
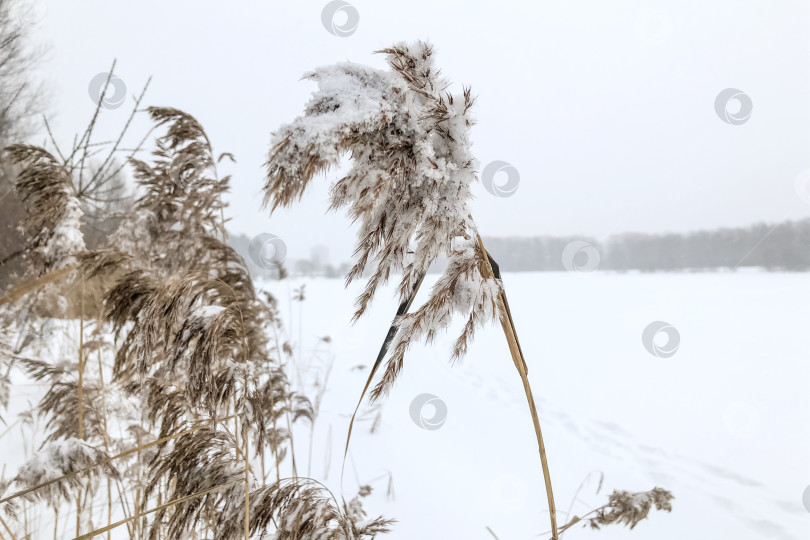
x=803 y=186
x=723 y=106
x=267 y=251
x=115 y=94
x=500 y=188
x=651 y=338
x=187 y=170
x=741 y=420
x=346 y=336
x=414 y=104
x=331 y=14
x=580 y=256
x=417 y=411
x=653 y=26
x=508 y=492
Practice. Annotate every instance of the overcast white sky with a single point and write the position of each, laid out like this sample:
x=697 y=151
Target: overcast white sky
x=606 y=109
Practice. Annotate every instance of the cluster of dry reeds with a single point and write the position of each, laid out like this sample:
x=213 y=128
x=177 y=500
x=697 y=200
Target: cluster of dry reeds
x=173 y=417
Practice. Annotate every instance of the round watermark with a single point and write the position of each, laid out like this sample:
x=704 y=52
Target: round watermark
x=186 y=170
x=115 y=94
x=417 y=411
x=661 y=339
x=803 y=186
x=508 y=492
x=806 y=498
x=741 y=420
x=500 y=188
x=332 y=14
x=267 y=251
x=580 y=256
x=346 y=336
x=724 y=106
x=414 y=104
x=653 y=26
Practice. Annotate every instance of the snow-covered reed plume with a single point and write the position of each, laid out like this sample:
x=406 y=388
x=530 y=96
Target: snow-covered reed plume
x=53 y=213
x=630 y=509
x=408 y=185
x=624 y=508
x=181 y=203
x=61 y=468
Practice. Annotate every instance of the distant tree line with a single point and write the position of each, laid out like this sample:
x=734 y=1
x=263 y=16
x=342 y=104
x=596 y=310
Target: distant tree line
x=781 y=246
x=315 y=265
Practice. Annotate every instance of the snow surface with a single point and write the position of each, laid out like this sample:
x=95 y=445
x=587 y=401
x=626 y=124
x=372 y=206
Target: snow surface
x=722 y=423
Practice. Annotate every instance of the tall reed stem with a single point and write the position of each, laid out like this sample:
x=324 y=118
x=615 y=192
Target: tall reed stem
x=520 y=363
x=247 y=465
x=80 y=395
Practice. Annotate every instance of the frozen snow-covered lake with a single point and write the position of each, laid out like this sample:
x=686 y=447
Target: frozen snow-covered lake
x=722 y=423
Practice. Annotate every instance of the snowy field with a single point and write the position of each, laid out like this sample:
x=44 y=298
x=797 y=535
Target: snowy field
x=723 y=423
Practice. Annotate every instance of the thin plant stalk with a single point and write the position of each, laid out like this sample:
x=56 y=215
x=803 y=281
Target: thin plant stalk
x=102 y=462
x=106 y=437
x=275 y=434
x=520 y=363
x=403 y=308
x=109 y=505
x=247 y=464
x=318 y=398
x=247 y=483
x=273 y=407
x=80 y=396
x=32 y=284
x=5 y=525
x=169 y=504
x=292 y=446
x=81 y=362
x=264 y=474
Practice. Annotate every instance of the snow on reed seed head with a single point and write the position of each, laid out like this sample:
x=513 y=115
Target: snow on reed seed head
x=53 y=217
x=296 y=508
x=629 y=509
x=182 y=194
x=408 y=184
x=59 y=461
x=303 y=508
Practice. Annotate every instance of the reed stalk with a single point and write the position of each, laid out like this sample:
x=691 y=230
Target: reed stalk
x=519 y=360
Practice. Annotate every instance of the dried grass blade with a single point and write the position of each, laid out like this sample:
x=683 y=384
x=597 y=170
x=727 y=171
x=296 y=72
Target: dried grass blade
x=112 y=526
x=32 y=284
x=403 y=308
x=108 y=460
